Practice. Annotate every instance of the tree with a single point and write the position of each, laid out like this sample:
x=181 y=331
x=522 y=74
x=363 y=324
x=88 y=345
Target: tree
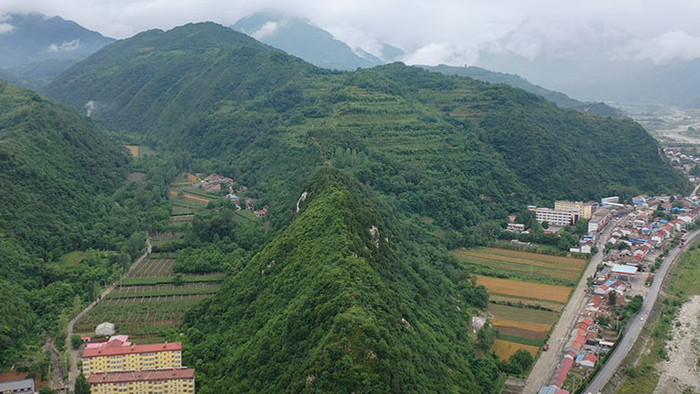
x=75 y=341
x=545 y=225
x=521 y=360
x=47 y=390
x=81 y=385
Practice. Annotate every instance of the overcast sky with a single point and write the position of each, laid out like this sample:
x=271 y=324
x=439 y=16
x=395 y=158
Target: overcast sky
x=437 y=31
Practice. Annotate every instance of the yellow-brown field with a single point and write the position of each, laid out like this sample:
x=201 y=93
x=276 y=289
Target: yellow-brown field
x=190 y=197
x=539 y=328
x=525 y=289
x=505 y=349
x=133 y=149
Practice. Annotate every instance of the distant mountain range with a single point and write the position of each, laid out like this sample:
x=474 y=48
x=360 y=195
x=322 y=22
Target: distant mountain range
x=313 y=44
x=34 y=48
x=598 y=63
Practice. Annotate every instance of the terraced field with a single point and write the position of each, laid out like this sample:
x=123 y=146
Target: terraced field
x=526 y=291
x=148 y=303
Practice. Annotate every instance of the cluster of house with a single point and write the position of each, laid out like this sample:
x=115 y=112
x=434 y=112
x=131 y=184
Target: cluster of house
x=640 y=234
x=114 y=364
x=213 y=183
x=587 y=340
x=683 y=161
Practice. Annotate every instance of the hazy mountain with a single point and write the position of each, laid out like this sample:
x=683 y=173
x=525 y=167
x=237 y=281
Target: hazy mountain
x=596 y=63
x=558 y=98
x=313 y=44
x=35 y=48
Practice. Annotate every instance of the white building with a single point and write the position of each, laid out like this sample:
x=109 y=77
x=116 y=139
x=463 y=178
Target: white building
x=556 y=218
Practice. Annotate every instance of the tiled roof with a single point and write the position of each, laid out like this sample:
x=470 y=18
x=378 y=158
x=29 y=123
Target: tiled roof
x=150 y=348
x=141 y=376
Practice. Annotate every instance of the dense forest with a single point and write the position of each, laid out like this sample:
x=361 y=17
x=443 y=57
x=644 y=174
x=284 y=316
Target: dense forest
x=341 y=301
x=69 y=222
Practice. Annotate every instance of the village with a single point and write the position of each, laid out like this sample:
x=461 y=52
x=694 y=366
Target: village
x=637 y=237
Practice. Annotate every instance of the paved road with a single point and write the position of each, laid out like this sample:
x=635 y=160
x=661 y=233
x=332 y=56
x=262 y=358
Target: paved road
x=636 y=324
x=547 y=362
x=74 y=372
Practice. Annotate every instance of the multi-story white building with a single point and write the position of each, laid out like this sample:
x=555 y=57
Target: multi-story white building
x=554 y=217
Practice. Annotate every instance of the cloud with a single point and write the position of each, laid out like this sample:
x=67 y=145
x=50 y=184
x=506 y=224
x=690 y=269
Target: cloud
x=6 y=28
x=669 y=46
x=266 y=30
x=66 y=46
x=439 y=53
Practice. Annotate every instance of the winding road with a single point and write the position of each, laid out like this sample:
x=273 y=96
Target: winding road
x=75 y=353
x=636 y=324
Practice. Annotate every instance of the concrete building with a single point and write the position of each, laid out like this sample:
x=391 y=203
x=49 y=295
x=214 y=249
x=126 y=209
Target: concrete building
x=553 y=217
x=585 y=210
x=132 y=358
x=18 y=387
x=176 y=381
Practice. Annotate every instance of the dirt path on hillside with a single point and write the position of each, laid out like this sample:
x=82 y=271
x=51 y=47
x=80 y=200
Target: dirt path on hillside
x=75 y=354
x=681 y=371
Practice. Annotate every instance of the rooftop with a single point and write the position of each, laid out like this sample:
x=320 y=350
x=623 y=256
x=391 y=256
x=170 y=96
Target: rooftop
x=141 y=376
x=115 y=351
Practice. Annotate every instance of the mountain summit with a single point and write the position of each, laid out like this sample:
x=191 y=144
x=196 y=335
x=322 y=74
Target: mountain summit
x=35 y=48
x=313 y=44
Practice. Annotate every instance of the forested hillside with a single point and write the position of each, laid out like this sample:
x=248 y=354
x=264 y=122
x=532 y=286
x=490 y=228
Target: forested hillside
x=448 y=148
x=63 y=191
x=340 y=301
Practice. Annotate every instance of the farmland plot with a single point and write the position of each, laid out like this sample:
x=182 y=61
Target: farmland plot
x=526 y=291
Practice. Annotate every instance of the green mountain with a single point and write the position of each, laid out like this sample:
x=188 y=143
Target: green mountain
x=558 y=98
x=450 y=148
x=55 y=168
x=338 y=302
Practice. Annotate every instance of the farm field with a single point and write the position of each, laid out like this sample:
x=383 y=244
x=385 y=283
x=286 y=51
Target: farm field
x=526 y=292
x=505 y=349
x=537 y=291
x=148 y=304
x=522 y=265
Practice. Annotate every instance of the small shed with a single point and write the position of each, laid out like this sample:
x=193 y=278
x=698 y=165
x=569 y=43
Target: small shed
x=105 y=329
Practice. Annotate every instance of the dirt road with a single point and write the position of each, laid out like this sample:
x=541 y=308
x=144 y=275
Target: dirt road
x=74 y=354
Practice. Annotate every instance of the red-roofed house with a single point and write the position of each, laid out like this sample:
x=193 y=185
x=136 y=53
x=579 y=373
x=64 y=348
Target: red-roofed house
x=587 y=360
x=132 y=358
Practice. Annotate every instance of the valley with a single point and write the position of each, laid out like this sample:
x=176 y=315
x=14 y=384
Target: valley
x=340 y=231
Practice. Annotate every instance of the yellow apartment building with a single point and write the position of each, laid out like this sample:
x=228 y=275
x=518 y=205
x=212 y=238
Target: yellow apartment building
x=172 y=381
x=132 y=358
x=585 y=210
